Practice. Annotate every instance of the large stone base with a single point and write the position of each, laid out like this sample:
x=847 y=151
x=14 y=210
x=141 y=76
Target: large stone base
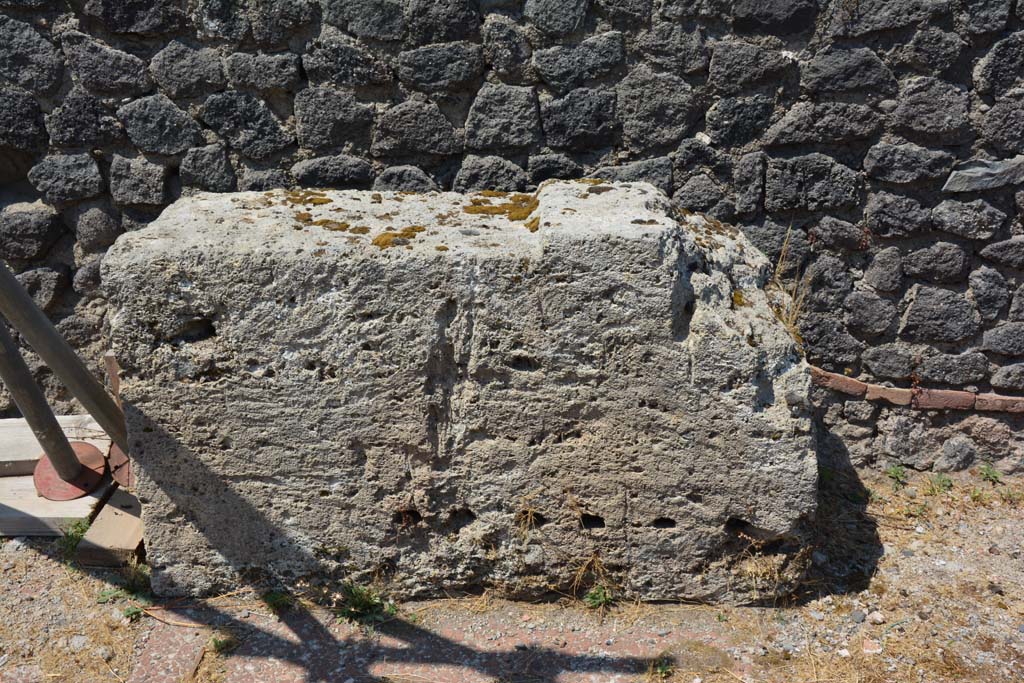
x=443 y=392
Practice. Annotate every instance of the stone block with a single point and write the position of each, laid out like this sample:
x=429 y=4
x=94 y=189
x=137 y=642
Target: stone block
x=452 y=392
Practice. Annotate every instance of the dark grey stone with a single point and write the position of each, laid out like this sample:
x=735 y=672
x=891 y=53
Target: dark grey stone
x=556 y=17
x=846 y=69
x=886 y=270
x=977 y=220
x=985 y=174
x=375 y=19
x=27 y=59
x=985 y=16
x=869 y=314
x=441 y=21
x=778 y=17
x=906 y=163
x=262 y=180
x=264 y=72
x=675 y=48
x=827 y=343
x=870 y=16
x=828 y=123
x=1001 y=68
x=414 y=127
x=44 y=285
x=66 y=178
x=1003 y=125
x=506 y=48
x=771 y=237
x=1008 y=252
x=246 y=123
x=137 y=181
x=958 y=453
x=701 y=192
x=490 y=173
x=146 y=17
x=989 y=292
x=22 y=135
x=223 y=19
x=341 y=171
x=565 y=67
x=952 y=368
x=103 y=69
x=932 y=50
x=87 y=278
x=183 y=71
x=834 y=233
x=334 y=58
x=503 y=116
x=718 y=10
x=27 y=231
x=891 y=215
x=441 y=67
x=813 y=182
x=404 y=179
x=155 y=124
x=934 y=108
x=273 y=22
x=939 y=315
x=656 y=109
x=82 y=121
x=1006 y=339
x=657 y=172
x=890 y=361
x=626 y=12
x=582 y=119
x=939 y=262
x=546 y=166
x=828 y=283
x=208 y=168
x=748 y=178
x=737 y=65
x=735 y=121
x=96 y=224
x=1017 y=307
x=327 y=118
x=1009 y=377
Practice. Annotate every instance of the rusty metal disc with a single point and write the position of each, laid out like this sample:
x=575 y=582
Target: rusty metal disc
x=49 y=485
x=121 y=467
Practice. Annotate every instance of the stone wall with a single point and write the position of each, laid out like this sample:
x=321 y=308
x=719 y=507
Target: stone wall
x=883 y=136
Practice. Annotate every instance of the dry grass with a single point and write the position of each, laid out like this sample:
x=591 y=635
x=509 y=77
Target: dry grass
x=788 y=304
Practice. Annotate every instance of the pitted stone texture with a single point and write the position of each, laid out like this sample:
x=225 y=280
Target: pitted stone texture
x=298 y=395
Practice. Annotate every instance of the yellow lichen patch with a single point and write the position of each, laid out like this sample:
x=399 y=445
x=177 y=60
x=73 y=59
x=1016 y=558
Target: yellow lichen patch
x=318 y=201
x=518 y=207
x=739 y=300
x=333 y=226
x=359 y=230
x=592 y=181
x=441 y=247
x=493 y=193
x=303 y=216
x=376 y=198
x=533 y=224
x=394 y=239
x=479 y=201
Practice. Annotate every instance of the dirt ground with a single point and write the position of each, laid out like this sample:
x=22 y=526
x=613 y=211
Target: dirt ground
x=919 y=582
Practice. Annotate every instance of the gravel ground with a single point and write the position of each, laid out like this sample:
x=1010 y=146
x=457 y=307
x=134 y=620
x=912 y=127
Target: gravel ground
x=907 y=583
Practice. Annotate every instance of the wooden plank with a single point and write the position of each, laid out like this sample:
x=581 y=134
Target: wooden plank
x=19 y=449
x=23 y=513
x=115 y=534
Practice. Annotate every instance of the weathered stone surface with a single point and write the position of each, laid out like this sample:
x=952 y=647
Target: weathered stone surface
x=82 y=121
x=147 y=17
x=656 y=109
x=96 y=224
x=988 y=290
x=1001 y=125
x=44 y=285
x=891 y=361
x=958 y=453
x=846 y=69
x=891 y=215
x=985 y=174
x=738 y=120
x=583 y=118
x=22 y=134
x=827 y=123
x=941 y=315
x=506 y=47
x=737 y=65
x=543 y=167
x=490 y=173
x=985 y=16
x=932 y=50
x=441 y=21
x=208 y=168
x=833 y=233
x=335 y=58
x=342 y=171
x=1006 y=339
x=813 y=182
x=1008 y=252
x=246 y=123
x=184 y=71
x=939 y=262
x=376 y=19
x=327 y=118
x=566 y=67
x=886 y=270
x=626 y=12
x=220 y=19
x=273 y=22
x=441 y=67
x=1001 y=68
x=28 y=230
x=748 y=176
x=948 y=368
x=503 y=116
x=555 y=17
x=674 y=47
x=261 y=180
x=67 y=177
x=869 y=16
x=404 y=179
x=27 y=59
x=868 y=313
x=929 y=107
x=489 y=408
x=828 y=343
x=779 y=17
x=263 y=72
x=103 y=69
x=657 y=172
x=1009 y=377
x=155 y=124
x=906 y=163
x=414 y=127
x=137 y=181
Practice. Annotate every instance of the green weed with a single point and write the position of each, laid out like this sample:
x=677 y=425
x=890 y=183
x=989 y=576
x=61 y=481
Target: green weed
x=899 y=476
x=363 y=605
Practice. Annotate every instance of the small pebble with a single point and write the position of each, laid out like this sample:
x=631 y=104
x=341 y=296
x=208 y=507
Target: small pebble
x=876 y=617
x=872 y=647
x=843 y=652
x=857 y=616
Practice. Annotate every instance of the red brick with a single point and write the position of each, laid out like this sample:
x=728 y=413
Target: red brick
x=895 y=396
x=943 y=399
x=837 y=382
x=1005 y=404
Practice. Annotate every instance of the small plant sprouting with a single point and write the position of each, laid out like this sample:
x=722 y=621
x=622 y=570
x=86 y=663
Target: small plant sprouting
x=939 y=484
x=899 y=476
x=661 y=668
x=133 y=612
x=722 y=617
x=1011 y=498
x=978 y=496
x=73 y=535
x=990 y=474
x=277 y=601
x=599 y=597
x=222 y=643
x=363 y=605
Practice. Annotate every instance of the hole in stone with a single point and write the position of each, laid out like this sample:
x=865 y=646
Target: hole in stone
x=522 y=363
x=269 y=372
x=694 y=497
x=588 y=521
x=460 y=518
x=195 y=330
x=664 y=523
x=407 y=518
x=323 y=493
x=737 y=526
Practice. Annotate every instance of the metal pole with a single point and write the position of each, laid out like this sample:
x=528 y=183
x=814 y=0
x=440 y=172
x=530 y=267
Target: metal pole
x=18 y=307
x=33 y=406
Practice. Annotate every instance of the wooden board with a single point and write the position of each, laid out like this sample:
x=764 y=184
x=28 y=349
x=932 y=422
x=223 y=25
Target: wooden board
x=19 y=449
x=115 y=534
x=23 y=513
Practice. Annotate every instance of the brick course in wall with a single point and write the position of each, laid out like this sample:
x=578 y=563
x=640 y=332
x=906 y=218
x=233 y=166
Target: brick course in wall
x=878 y=140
